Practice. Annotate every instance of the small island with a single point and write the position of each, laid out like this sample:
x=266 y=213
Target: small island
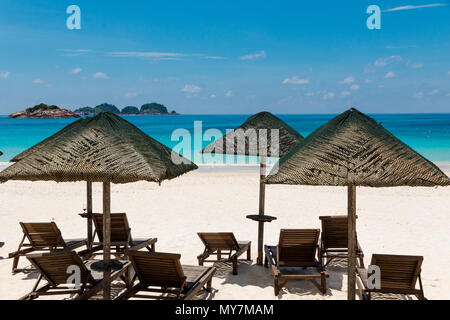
x=146 y=109
x=43 y=111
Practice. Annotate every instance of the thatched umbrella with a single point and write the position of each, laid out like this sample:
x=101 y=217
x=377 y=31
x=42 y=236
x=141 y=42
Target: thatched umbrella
x=353 y=150
x=107 y=149
x=254 y=138
x=68 y=128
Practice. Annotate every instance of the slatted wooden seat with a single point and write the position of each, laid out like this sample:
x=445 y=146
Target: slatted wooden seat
x=223 y=243
x=398 y=275
x=121 y=238
x=42 y=236
x=163 y=273
x=296 y=248
x=334 y=240
x=57 y=267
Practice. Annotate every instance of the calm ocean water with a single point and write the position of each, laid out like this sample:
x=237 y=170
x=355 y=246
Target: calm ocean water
x=428 y=134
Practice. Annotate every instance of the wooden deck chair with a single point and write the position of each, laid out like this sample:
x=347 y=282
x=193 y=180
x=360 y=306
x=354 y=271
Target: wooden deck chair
x=2 y=244
x=57 y=267
x=42 y=236
x=398 y=275
x=334 y=240
x=121 y=238
x=223 y=243
x=296 y=248
x=163 y=273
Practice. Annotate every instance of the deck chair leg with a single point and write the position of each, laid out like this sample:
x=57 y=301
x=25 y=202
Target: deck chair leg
x=323 y=282
x=249 y=253
x=15 y=264
x=200 y=261
x=276 y=286
x=235 y=266
x=219 y=254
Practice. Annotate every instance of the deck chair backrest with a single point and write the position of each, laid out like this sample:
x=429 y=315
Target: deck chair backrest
x=334 y=232
x=120 y=228
x=157 y=269
x=297 y=246
x=399 y=272
x=43 y=235
x=219 y=240
x=54 y=267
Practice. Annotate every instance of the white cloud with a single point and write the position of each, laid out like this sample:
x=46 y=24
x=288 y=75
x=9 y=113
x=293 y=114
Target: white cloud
x=417 y=65
x=191 y=88
x=433 y=92
x=418 y=95
x=129 y=95
x=229 y=93
x=5 y=74
x=213 y=96
x=261 y=54
x=74 y=52
x=38 y=81
x=295 y=80
x=100 y=75
x=345 y=93
x=162 y=55
x=367 y=81
x=142 y=54
x=390 y=74
x=411 y=7
x=328 y=95
x=381 y=62
x=347 y=80
x=354 y=87
x=76 y=70
x=448 y=73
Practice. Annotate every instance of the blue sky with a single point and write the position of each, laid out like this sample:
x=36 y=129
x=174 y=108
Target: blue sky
x=214 y=57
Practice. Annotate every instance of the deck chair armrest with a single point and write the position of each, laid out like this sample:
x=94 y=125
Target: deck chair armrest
x=144 y=244
x=74 y=246
x=20 y=252
x=241 y=251
x=270 y=257
x=199 y=284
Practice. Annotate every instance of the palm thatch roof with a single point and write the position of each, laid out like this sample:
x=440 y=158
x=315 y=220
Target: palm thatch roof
x=354 y=150
x=64 y=130
x=105 y=148
x=287 y=138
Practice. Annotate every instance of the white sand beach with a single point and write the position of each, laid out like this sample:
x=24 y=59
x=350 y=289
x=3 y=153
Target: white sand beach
x=409 y=221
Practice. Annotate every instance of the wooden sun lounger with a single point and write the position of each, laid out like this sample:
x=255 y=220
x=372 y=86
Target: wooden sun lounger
x=334 y=240
x=163 y=273
x=296 y=248
x=399 y=275
x=54 y=267
x=42 y=236
x=121 y=238
x=223 y=243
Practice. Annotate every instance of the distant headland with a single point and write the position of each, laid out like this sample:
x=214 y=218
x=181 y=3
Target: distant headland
x=42 y=111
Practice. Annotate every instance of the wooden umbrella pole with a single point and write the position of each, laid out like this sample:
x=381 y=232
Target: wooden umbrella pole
x=107 y=239
x=89 y=212
x=262 y=194
x=351 y=243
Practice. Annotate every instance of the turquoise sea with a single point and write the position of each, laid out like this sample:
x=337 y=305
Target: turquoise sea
x=429 y=134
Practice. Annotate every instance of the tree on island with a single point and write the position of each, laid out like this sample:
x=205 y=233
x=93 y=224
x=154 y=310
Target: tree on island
x=130 y=110
x=104 y=107
x=153 y=108
x=42 y=107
